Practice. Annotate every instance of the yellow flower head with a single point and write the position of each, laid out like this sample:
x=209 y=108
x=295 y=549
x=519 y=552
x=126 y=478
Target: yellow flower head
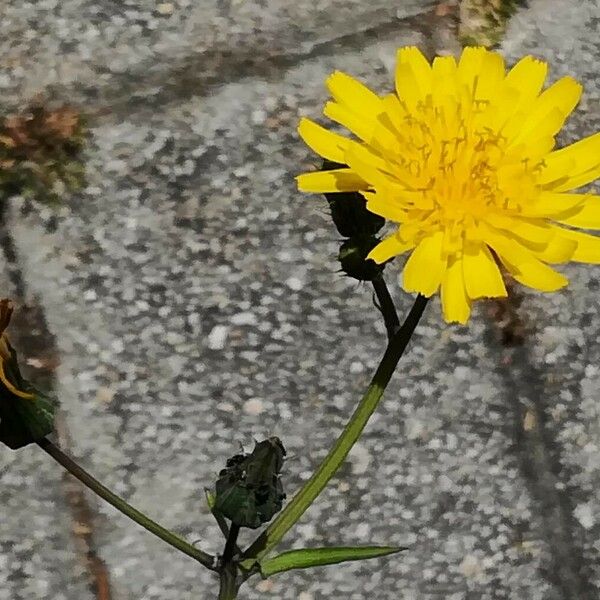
x=461 y=157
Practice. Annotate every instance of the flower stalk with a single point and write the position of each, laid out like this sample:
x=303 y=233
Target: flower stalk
x=229 y=583
x=271 y=536
x=229 y=586
x=231 y=543
x=385 y=304
x=140 y=518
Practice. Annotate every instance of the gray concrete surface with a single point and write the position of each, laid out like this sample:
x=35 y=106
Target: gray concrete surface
x=194 y=302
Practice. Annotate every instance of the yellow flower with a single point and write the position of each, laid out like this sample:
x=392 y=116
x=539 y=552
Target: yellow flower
x=461 y=157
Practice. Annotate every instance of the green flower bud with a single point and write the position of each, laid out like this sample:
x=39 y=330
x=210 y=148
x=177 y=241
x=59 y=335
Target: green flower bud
x=349 y=211
x=26 y=416
x=249 y=490
x=353 y=258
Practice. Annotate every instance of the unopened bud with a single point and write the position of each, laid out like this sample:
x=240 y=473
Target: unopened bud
x=349 y=211
x=353 y=258
x=249 y=490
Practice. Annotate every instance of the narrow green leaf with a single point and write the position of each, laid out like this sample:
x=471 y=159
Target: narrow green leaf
x=319 y=557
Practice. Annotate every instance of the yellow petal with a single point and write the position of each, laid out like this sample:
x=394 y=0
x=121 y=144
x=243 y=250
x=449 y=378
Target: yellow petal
x=354 y=95
x=503 y=244
x=425 y=267
x=588 y=214
x=482 y=276
x=325 y=143
x=338 y=180
x=367 y=155
x=588 y=246
x=456 y=305
x=527 y=77
x=549 y=111
x=413 y=75
x=382 y=205
x=531 y=231
x=572 y=166
x=469 y=66
x=394 y=111
x=360 y=126
x=500 y=109
x=536 y=275
x=368 y=166
x=546 y=123
x=553 y=205
x=564 y=94
x=443 y=66
x=388 y=248
x=521 y=263
x=412 y=56
x=385 y=137
x=538 y=147
x=490 y=76
x=407 y=86
x=557 y=250
x=577 y=181
x=444 y=81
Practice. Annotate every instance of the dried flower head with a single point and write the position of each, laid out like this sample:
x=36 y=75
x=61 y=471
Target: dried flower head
x=40 y=152
x=26 y=415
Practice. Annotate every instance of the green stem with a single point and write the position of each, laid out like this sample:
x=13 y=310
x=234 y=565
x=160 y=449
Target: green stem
x=229 y=587
x=231 y=543
x=386 y=306
x=228 y=570
x=140 y=518
x=313 y=487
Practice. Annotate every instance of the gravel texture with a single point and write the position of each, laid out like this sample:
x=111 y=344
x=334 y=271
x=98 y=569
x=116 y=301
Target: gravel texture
x=195 y=303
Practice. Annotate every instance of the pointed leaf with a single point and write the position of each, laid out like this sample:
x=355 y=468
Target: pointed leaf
x=319 y=557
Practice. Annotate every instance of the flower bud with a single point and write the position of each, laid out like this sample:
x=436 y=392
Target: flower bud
x=353 y=258
x=349 y=211
x=249 y=490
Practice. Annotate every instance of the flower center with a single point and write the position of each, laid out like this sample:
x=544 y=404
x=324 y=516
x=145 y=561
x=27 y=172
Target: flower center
x=462 y=168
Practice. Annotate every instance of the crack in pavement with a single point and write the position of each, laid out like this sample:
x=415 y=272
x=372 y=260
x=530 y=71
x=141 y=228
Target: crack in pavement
x=83 y=519
x=201 y=74
x=39 y=358
x=538 y=451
